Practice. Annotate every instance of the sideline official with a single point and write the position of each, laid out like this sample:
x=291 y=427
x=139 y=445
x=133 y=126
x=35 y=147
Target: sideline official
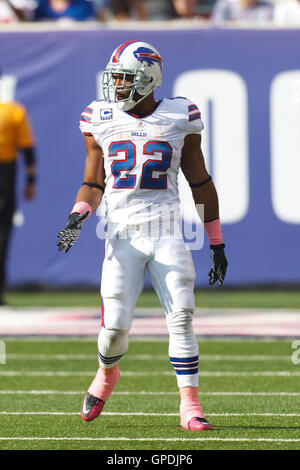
x=15 y=135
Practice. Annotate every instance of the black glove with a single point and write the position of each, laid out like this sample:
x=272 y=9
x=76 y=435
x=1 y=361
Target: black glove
x=68 y=236
x=219 y=264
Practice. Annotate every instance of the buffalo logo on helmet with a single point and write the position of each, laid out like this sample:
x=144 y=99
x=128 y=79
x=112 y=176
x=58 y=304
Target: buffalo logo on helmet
x=144 y=54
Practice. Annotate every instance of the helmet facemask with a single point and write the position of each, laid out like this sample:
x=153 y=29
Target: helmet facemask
x=138 y=85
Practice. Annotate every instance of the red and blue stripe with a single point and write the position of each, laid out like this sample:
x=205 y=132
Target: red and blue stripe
x=185 y=365
x=85 y=119
x=194 y=116
x=194 y=112
x=86 y=115
x=120 y=51
x=102 y=311
x=151 y=56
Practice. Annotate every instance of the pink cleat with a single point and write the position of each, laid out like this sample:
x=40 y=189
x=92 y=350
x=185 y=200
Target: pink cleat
x=191 y=413
x=91 y=407
x=102 y=386
x=197 y=424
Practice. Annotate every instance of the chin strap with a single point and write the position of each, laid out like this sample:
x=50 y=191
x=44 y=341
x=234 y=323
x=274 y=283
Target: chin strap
x=128 y=105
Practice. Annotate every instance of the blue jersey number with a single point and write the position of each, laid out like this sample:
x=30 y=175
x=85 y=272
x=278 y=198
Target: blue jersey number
x=148 y=181
x=123 y=165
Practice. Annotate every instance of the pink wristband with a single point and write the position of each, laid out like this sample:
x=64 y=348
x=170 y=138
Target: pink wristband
x=82 y=207
x=214 y=232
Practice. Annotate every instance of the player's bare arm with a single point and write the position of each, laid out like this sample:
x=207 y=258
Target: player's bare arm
x=204 y=192
x=193 y=167
x=94 y=175
x=89 y=195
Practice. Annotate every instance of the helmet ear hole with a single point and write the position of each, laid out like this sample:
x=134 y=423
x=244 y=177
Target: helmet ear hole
x=147 y=80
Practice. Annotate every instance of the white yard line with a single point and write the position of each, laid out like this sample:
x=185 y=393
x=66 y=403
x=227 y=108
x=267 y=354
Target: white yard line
x=146 y=439
x=147 y=357
x=140 y=413
x=13 y=373
x=139 y=339
x=81 y=392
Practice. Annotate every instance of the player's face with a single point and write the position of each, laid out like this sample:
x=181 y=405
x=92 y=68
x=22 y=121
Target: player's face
x=124 y=81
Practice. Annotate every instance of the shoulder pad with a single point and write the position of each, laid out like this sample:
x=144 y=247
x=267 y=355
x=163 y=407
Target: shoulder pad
x=88 y=114
x=178 y=97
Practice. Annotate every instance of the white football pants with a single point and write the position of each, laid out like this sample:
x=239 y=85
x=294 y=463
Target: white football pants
x=172 y=274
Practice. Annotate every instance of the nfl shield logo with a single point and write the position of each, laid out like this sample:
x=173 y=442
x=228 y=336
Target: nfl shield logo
x=106 y=114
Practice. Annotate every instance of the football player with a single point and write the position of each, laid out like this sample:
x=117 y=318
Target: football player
x=135 y=147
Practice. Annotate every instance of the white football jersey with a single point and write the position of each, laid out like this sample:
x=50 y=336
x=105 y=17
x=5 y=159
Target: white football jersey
x=141 y=156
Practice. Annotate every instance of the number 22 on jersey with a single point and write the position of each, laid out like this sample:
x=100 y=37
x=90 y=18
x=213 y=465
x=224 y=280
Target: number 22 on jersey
x=148 y=181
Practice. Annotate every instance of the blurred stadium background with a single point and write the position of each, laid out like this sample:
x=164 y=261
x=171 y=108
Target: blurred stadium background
x=246 y=83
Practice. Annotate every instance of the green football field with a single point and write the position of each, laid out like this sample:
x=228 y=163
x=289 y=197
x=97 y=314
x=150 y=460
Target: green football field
x=207 y=298
x=248 y=388
x=249 y=391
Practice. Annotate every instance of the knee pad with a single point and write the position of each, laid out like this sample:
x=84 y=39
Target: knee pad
x=182 y=339
x=112 y=345
x=180 y=322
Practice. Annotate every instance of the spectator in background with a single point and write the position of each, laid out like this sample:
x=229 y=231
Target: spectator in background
x=242 y=10
x=186 y=8
x=120 y=10
x=15 y=135
x=101 y=8
x=160 y=10
x=287 y=13
x=124 y=10
x=75 y=10
x=12 y=11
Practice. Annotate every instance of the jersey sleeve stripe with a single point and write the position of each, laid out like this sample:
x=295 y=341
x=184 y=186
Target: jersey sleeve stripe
x=88 y=110
x=85 y=119
x=193 y=107
x=86 y=115
x=194 y=113
x=194 y=116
